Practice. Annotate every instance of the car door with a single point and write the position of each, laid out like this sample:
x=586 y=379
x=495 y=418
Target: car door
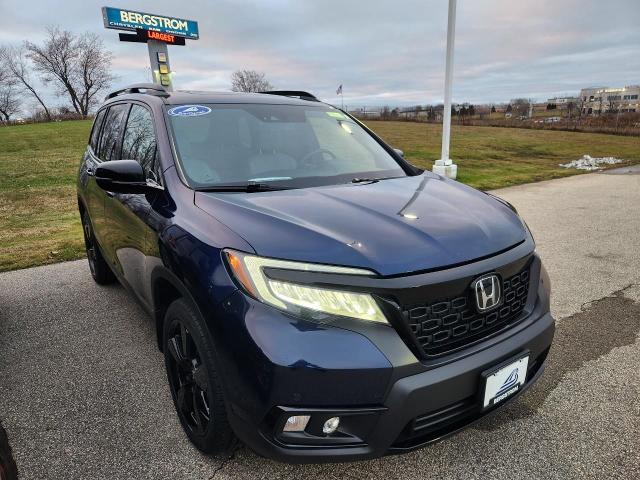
x=107 y=149
x=93 y=194
x=126 y=214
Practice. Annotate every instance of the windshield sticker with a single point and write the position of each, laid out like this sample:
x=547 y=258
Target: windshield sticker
x=189 y=111
x=336 y=115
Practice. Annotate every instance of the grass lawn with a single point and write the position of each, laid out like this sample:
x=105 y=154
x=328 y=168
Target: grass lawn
x=491 y=157
x=39 y=222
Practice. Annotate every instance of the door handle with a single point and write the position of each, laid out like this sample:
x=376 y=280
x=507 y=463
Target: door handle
x=109 y=194
x=90 y=172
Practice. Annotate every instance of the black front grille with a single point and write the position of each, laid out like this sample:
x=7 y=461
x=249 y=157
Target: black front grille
x=448 y=324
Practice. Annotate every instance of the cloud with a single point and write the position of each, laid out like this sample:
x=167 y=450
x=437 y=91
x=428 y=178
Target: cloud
x=382 y=52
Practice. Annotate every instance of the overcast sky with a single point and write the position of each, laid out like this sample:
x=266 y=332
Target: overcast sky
x=384 y=52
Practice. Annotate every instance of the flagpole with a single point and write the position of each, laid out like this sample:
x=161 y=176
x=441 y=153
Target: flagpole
x=445 y=165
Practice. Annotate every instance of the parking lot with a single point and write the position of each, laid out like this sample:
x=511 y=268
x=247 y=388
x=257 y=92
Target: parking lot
x=83 y=393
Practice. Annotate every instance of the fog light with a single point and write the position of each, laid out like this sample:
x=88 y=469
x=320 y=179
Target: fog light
x=296 y=423
x=331 y=425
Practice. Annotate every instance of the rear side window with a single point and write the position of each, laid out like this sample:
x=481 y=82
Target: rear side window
x=95 y=133
x=112 y=132
x=139 y=141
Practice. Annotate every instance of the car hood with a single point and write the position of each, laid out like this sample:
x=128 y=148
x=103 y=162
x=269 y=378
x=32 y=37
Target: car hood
x=372 y=225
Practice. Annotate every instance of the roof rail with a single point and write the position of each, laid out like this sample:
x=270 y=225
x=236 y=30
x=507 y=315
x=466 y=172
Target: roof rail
x=293 y=93
x=148 y=88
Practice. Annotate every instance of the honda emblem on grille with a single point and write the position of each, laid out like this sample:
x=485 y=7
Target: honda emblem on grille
x=487 y=291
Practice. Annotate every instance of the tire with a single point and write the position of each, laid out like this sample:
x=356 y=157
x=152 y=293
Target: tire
x=8 y=469
x=100 y=270
x=194 y=382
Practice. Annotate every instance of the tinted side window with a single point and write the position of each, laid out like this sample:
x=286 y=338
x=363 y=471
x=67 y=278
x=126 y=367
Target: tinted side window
x=95 y=133
x=112 y=132
x=139 y=141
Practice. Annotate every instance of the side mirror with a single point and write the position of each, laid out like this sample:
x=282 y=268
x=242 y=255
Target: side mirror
x=399 y=152
x=123 y=176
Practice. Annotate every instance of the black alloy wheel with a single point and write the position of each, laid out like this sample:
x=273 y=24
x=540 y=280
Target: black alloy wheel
x=188 y=379
x=196 y=387
x=100 y=271
x=89 y=246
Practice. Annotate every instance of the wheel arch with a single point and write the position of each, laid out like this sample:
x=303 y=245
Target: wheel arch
x=166 y=288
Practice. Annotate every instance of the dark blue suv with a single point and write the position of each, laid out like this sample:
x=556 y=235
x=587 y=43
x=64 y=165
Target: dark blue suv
x=314 y=294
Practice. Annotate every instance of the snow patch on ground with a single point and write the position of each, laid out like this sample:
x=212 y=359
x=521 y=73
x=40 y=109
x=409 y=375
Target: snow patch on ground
x=587 y=162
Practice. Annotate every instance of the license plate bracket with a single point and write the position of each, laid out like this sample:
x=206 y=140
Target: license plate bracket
x=504 y=380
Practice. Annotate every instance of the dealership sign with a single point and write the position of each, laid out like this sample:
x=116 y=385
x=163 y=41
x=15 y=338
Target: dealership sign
x=157 y=31
x=122 y=19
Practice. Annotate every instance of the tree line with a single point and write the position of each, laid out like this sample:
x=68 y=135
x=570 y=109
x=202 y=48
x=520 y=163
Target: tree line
x=76 y=66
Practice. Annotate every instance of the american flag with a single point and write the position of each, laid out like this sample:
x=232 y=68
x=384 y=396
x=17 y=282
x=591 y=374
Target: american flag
x=339 y=90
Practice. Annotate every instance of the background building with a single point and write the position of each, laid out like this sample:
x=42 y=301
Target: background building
x=562 y=100
x=596 y=100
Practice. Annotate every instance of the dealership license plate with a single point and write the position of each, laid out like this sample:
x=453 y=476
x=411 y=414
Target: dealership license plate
x=504 y=380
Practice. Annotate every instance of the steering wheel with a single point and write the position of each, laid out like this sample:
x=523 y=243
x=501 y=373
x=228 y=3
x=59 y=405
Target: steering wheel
x=307 y=161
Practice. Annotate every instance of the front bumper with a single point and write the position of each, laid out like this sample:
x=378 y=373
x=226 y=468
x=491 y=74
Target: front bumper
x=416 y=410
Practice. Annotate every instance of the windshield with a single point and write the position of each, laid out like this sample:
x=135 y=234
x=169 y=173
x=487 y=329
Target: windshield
x=286 y=146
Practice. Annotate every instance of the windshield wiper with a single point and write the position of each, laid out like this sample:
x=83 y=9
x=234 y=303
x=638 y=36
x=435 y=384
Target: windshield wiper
x=363 y=180
x=247 y=187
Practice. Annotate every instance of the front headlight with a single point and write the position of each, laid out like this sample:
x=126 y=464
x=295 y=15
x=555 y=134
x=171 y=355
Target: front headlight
x=295 y=298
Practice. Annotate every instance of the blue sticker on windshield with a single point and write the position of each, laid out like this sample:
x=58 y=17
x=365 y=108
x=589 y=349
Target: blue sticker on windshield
x=189 y=111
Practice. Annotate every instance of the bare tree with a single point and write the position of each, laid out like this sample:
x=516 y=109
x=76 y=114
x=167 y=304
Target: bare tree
x=580 y=107
x=9 y=100
x=520 y=106
x=612 y=106
x=5 y=76
x=249 y=81
x=600 y=104
x=80 y=65
x=17 y=65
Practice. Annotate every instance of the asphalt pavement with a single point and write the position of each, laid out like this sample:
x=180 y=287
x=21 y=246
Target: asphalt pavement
x=83 y=393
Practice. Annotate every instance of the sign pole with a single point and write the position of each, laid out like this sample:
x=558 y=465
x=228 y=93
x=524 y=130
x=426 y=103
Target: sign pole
x=158 y=51
x=445 y=165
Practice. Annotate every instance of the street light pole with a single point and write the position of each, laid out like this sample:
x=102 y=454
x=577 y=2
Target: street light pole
x=445 y=165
